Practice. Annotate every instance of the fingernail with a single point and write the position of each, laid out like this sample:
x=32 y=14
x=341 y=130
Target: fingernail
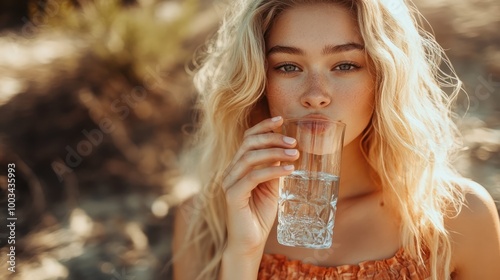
x=288 y=140
x=275 y=119
x=291 y=152
x=288 y=167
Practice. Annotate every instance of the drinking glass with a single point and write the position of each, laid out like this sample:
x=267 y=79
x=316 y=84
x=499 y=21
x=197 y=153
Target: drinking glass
x=308 y=196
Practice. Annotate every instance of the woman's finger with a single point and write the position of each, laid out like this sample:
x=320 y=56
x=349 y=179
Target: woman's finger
x=260 y=137
x=267 y=125
x=252 y=159
x=257 y=136
x=238 y=193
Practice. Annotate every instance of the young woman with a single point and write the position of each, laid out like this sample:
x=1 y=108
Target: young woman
x=402 y=213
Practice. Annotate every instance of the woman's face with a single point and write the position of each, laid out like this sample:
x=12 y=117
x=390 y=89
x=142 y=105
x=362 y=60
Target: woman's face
x=317 y=67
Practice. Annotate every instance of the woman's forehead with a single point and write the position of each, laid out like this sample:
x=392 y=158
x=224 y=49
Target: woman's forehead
x=320 y=23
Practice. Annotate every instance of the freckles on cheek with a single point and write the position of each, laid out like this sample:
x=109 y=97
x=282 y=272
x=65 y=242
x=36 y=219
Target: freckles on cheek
x=277 y=101
x=363 y=97
x=369 y=100
x=276 y=93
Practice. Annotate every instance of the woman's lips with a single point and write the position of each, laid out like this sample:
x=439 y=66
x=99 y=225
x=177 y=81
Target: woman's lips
x=315 y=126
x=316 y=117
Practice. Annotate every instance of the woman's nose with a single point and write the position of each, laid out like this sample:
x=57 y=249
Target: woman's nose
x=316 y=94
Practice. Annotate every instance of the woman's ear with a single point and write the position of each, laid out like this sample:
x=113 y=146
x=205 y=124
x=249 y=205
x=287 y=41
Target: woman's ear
x=260 y=112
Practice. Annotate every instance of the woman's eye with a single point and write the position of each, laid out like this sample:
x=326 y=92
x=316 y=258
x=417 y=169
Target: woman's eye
x=346 y=67
x=288 y=68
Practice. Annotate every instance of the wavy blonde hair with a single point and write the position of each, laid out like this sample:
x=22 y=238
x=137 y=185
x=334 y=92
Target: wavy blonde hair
x=408 y=143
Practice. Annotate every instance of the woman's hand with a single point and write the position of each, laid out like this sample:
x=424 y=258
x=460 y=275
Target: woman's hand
x=250 y=185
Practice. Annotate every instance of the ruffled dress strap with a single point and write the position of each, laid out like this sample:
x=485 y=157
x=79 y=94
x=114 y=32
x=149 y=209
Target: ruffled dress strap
x=400 y=266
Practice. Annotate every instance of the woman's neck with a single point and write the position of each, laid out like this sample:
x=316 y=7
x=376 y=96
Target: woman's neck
x=356 y=175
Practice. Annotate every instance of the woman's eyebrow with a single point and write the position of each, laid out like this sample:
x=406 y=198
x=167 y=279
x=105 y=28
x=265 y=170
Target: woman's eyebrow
x=328 y=49
x=285 y=49
x=332 y=49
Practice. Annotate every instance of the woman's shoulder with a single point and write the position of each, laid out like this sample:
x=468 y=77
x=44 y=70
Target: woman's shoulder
x=184 y=212
x=478 y=206
x=477 y=203
x=182 y=253
x=187 y=203
x=475 y=231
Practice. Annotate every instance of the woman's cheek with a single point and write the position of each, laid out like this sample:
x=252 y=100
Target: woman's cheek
x=357 y=119
x=277 y=100
x=274 y=107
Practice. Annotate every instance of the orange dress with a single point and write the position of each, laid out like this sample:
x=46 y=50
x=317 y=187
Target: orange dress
x=400 y=266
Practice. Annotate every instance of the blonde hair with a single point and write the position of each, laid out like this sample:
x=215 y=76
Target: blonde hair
x=408 y=143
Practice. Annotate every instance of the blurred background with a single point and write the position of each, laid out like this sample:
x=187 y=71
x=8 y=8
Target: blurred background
x=96 y=102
